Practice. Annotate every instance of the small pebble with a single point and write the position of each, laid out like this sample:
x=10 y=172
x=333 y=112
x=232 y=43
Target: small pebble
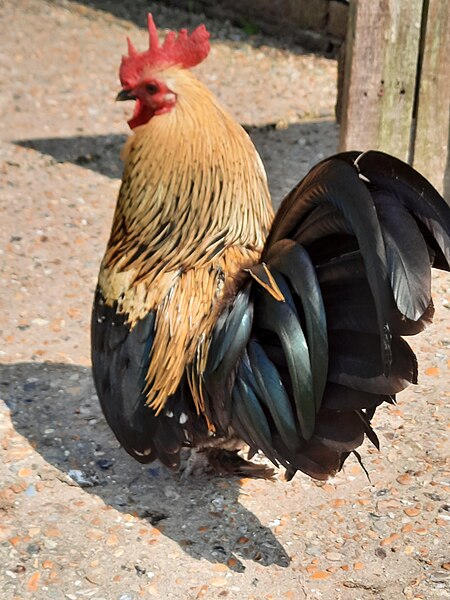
x=404 y=479
x=140 y=570
x=311 y=550
x=33 y=549
x=83 y=480
x=105 y=463
x=320 y=575
x=19 y=569
x=334 y=556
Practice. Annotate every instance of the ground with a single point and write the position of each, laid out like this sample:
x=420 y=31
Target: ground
x=78 y=517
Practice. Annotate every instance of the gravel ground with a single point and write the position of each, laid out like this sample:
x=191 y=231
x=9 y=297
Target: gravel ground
x=78 y=517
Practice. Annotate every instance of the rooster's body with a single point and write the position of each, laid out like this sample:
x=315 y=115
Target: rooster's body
x=213 y=326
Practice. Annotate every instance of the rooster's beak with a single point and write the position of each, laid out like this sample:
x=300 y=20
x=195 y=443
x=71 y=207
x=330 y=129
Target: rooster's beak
x=125 y=95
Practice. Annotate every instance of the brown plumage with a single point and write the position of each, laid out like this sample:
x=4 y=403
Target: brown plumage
x=207 y=331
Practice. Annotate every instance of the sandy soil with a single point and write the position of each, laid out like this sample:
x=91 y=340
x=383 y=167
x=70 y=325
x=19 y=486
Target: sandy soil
x=79 y=518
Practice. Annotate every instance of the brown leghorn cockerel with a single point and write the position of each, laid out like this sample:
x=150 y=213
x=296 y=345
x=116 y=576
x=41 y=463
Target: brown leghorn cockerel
x=216 y=325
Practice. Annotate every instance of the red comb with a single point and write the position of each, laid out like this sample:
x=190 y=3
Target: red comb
x=184 y=50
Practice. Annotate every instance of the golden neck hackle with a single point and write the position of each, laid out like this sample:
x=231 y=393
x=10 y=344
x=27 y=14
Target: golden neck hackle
x=196 y=169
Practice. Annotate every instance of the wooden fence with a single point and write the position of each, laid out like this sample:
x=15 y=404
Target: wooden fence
x=395 y=92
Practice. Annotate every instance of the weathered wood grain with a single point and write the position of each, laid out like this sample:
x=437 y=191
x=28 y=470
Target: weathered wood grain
x=380 y=75
x=432 y=134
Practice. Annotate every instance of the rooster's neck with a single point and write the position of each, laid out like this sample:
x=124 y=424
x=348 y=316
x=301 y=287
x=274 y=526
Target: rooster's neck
x=193 y=188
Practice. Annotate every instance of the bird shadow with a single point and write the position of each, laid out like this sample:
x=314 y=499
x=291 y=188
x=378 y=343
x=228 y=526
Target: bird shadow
x=100 y=153
x=286 y=152
x=55 y=408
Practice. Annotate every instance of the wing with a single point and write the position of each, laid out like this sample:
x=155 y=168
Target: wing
x=120 y=360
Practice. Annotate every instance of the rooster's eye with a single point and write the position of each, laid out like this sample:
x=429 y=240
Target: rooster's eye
x=152 y=88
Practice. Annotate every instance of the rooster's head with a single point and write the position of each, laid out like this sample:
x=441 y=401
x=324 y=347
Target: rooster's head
x=143 y=75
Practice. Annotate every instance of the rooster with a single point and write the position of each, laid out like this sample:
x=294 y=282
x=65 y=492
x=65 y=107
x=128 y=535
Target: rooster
x=217 y=325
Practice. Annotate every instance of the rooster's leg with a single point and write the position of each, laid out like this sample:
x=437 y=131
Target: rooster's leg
x=196 y=464
x=218 y=461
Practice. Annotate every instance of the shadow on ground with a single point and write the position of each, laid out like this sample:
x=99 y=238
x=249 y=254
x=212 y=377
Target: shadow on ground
x=100 y=153
x=285 y=152
x=54 y=406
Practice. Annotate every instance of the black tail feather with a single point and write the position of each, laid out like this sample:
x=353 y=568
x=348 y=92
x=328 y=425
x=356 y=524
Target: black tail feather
x=350 y=249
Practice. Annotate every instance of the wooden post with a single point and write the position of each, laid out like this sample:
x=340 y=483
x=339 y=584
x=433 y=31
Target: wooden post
x=396 y=86
x=431 y=137
x=380 y=75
